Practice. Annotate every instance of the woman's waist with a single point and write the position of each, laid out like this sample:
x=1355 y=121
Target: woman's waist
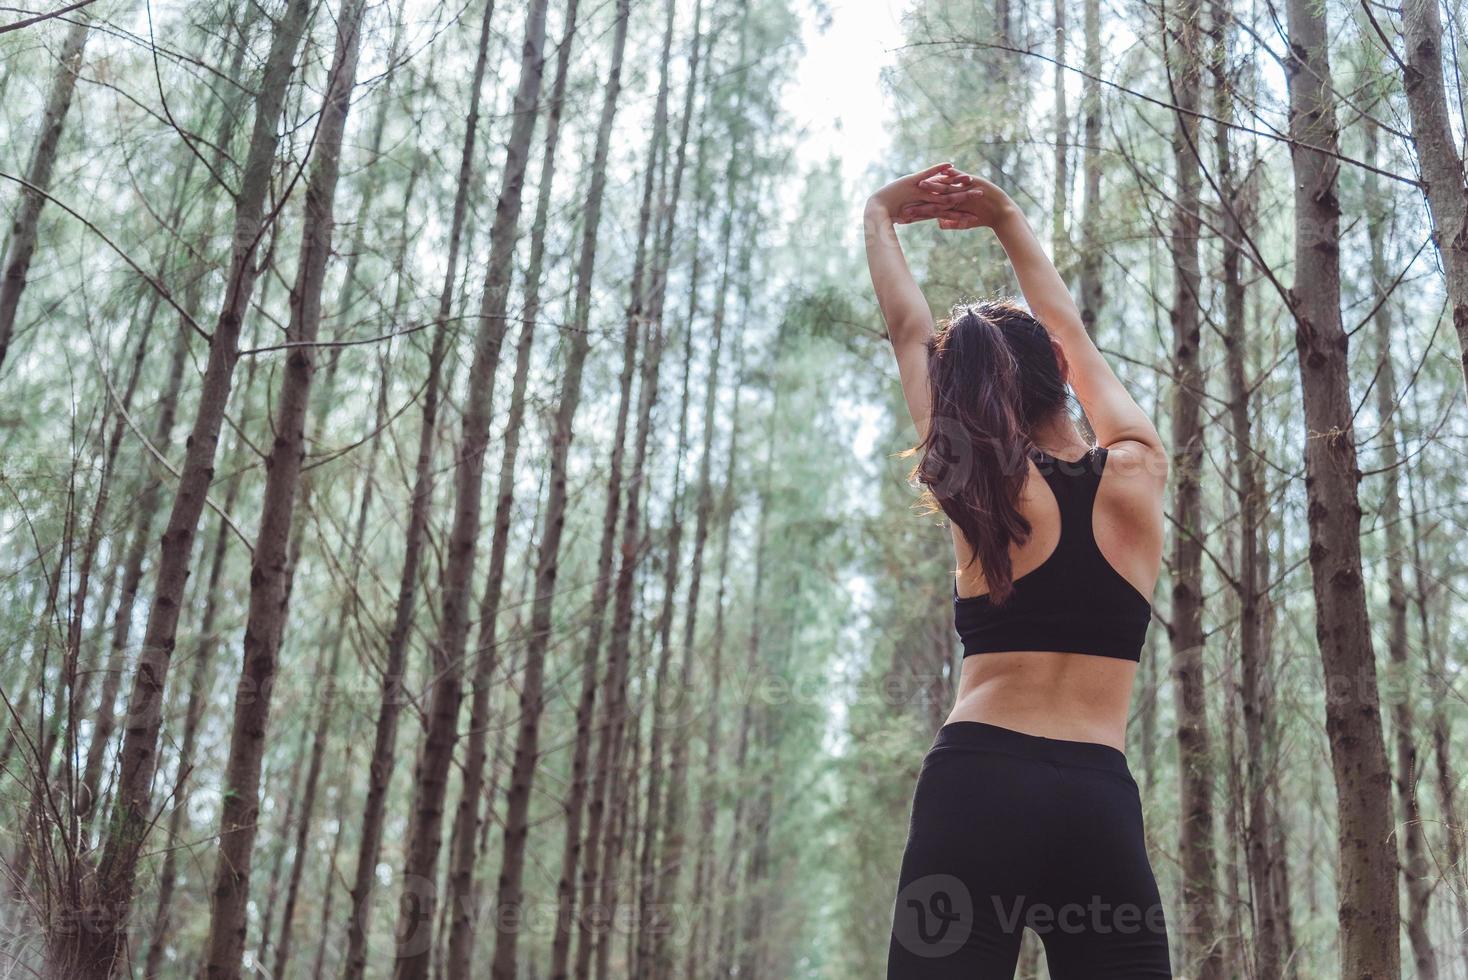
x=1053 y=695
x=962 y=738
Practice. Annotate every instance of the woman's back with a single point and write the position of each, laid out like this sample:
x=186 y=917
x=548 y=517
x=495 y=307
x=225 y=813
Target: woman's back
x=1125 y=518
x=1059 y=656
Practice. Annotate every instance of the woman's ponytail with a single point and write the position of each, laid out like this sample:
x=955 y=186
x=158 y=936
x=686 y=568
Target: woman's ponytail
x=992 y=374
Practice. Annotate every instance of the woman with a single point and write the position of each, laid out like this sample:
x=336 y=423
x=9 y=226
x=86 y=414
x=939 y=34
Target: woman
x=1025 y=814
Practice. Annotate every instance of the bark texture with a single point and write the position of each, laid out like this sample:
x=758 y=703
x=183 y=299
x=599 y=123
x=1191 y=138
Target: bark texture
x=20 y=244
x=393 y=693
x=463 y=890
x=1200 y=951
x=1438 y=157
x=1368 y=910
x=107 y=900
x=1418 y=876
x=570 y=390
x=270 y=573
x=430 y=782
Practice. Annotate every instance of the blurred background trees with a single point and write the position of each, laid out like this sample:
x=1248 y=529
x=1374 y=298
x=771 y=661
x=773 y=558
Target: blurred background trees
x=453 y=506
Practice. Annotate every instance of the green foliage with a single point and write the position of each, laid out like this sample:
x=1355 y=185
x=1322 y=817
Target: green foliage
x=826 y=589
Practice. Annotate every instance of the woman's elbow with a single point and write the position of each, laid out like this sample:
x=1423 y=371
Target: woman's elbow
x=909 y=331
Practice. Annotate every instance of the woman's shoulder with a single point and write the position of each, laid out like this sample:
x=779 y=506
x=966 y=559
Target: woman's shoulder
x=1138 y=464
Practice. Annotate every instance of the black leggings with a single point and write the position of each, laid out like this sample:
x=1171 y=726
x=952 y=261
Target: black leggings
x=1012 y=831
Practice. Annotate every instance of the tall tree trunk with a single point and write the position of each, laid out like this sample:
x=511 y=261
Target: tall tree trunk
x=1090 y=261
x=1270 y=909
x=643 y=307
x=621 y=825
x=1260 y=816
x=132 y=579
x=652 y=934
x=324 y=399
x=1438 y=158
x=1417 y=873
x=700 y=952
x=293 y=776
x=21 y=242
x=1368 y=868
x=1278 y=831
x=162 y=438
x=92 y=952
x=77 y=684
x=655 y=873
x=303 y=803
x=384 y=746
x=1234 y=898
x=1060 y=198
x=583 y=799
x=725 y=959
x=425 y=830
x=754 y=942
x=1201 y=941
x=645 y=825
x=324 y=935
x=673 y=819
x=577 y=347
x=1445 y=775
x=270 y=574
x=576 y=796
x=198 y=693
x=463 y=893
x=326 y=698
x=616 y=677
x=198 y=696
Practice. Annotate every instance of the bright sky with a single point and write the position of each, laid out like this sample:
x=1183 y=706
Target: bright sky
x=836 y=98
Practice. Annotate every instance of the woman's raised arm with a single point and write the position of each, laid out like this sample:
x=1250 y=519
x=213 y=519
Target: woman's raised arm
x=1114 y=415
x=905 y=310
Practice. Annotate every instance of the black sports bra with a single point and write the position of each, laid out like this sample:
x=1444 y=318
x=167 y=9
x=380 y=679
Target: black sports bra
x=1072 y=602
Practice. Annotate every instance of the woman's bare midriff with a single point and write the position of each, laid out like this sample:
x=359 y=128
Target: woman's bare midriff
x=1071 y=696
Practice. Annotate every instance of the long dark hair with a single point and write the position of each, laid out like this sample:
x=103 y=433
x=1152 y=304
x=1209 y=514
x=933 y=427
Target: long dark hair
x=992 y=377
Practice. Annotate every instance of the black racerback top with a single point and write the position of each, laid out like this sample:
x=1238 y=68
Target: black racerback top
x=1072 y=602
